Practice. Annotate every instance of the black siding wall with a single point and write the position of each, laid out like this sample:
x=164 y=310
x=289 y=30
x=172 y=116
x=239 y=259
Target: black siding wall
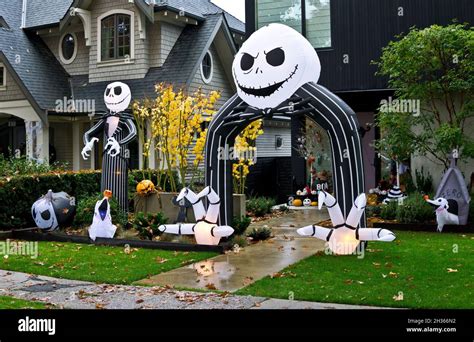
x=360 y=28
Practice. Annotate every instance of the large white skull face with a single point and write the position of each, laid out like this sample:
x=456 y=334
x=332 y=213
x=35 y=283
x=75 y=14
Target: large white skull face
x=117 y=97
x=43 y=213
x=272 y=64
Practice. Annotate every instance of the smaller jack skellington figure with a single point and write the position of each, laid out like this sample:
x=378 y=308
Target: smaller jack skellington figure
x=119 y=130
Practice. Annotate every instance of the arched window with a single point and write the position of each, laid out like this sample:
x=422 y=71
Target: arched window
x=116 y=37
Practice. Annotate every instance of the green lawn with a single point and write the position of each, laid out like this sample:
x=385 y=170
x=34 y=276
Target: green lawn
x=430 y=270
x=100 y=264
x=13 y=303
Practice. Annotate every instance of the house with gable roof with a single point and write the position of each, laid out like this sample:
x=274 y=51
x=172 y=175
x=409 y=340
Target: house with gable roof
x=57 y=56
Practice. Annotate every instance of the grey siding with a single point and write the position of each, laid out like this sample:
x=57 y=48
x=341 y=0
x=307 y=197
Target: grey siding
x=162 y=36
x=266 y=142
x=62 y=141
x=219 y=80
x=13 y=91
x=138 y=67
x=80 y=65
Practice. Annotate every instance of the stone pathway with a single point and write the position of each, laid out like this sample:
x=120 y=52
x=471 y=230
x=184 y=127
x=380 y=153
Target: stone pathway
x=73 y=294
x=233 y=271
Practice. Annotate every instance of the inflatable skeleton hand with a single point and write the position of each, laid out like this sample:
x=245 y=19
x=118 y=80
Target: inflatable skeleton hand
x=205 y=230
x=114 y=147
x=87 y=148
x=344 y=238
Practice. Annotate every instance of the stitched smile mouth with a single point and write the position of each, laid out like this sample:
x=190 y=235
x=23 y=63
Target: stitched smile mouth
x=267 y=91
x=114 y=104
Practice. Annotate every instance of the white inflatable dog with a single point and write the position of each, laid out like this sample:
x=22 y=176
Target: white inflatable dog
x=102 y=222
x=446 y=212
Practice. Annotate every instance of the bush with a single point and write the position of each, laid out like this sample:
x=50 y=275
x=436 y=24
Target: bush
x=424 y=184
x=11 y=167
x=260 y=206
x=85 y=212
x=17 y=194
x=147 y=224
x=415 y=210
x=389 y=211
x=240 y=224
x=373 y=210
x=239 y=240
x=260 y=233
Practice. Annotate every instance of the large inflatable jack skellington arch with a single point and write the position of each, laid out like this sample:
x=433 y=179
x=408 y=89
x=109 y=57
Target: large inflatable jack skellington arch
x=276 y=73
x=118 y=129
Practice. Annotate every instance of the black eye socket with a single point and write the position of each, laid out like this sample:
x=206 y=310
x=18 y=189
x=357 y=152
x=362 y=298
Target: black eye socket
x=107 y=92
x=118 y=91
x=246 y=62
x=276 y=57
x=46 y=215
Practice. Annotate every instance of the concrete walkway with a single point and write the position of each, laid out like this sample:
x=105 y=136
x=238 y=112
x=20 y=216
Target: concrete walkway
x=73 y=294
x=233 y=271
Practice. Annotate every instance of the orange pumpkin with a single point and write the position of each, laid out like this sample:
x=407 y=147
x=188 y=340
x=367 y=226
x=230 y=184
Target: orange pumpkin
x=145 y=187
x=297 y=202
x=314 y=204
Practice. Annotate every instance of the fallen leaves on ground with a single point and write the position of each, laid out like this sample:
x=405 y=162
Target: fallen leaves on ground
x=161 y=260
x=211 y=286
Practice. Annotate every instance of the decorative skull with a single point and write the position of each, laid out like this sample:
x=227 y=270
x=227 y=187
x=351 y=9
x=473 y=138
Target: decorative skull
x=272 y=64
x=53 y=210
x=117 y=97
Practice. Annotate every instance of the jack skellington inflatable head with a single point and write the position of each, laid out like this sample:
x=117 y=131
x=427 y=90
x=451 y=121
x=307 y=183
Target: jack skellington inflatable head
x=272 y=64
x=117 y=97
x=119 y=129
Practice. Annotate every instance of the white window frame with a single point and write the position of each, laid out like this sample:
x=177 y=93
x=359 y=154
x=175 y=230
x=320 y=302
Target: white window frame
x=74 y=55
x=209 y=79
x=3 y=86
x=132 y=37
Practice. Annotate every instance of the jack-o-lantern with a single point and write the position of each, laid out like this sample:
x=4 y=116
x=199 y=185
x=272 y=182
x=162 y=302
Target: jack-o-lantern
x=145 y=187
x=307 y=202
x=272 y=64
x=53 y=210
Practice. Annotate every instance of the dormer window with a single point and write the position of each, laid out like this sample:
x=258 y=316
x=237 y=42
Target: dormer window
x=116 y=36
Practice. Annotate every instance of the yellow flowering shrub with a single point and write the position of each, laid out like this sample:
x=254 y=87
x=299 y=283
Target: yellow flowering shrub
x=175 y=120
x=245 y=148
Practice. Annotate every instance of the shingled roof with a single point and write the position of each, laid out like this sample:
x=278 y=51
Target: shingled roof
x=42 y=13
x=201 y=8
x=178 y=69
x=44 y=80
x=31 y=63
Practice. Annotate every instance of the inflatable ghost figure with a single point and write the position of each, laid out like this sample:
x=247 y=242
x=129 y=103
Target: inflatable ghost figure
x=272 y=64
x=118 y=129
x=446 y=212
x=205 y=230
x=345 y=237
x=53 y=210
x=102 y=226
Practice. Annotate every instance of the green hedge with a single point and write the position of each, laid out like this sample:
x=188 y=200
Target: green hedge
x=17 y=194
